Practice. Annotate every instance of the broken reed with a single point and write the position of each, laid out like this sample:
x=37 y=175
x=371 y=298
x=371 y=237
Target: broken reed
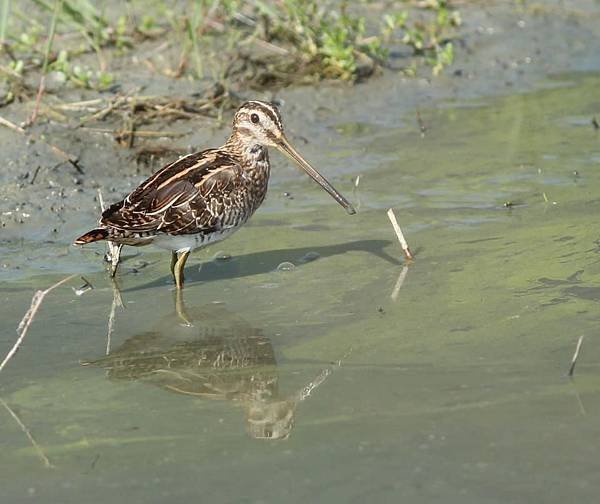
x=405 y=249
x=27 y=319
x=575 y=356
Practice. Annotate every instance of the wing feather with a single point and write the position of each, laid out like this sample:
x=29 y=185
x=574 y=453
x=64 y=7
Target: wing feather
x=185 y=197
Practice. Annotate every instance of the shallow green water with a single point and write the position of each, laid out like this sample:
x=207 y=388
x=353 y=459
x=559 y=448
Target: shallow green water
x=445 y=381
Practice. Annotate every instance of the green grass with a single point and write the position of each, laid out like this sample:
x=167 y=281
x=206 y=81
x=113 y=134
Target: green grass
x=252 y=43
x=4 y=14
x=51 y=33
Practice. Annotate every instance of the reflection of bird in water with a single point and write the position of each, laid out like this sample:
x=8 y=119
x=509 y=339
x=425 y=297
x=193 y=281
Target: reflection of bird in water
x=220 y=356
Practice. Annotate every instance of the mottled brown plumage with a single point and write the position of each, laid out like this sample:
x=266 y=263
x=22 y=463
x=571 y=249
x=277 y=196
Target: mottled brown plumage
x=204 y=197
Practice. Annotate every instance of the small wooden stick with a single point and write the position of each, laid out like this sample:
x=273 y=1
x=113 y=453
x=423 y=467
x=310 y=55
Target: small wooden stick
x=575 y=356
x=101 y=201
x=113 y=252
x=400 y=235
x=141 y=133
x=12 y=126
x=38 y=100
x=36 y=301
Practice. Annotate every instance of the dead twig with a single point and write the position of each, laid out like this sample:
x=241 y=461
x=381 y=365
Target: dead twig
x=150 y=107
x=38 y=101
x=32 y=440
x=112 y=105
x=142 y=133
x=10 y=72
x=356 y=193
x=86 y=105
x=271 y=47
x=575 y=356
x=101 y=114
x=400 y=235
x=23 y=327
x=12 y=126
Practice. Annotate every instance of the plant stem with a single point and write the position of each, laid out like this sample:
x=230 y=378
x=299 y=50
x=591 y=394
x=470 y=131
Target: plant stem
x=52 y=32
x=4 y=20
x=193 y=33
x=38 y=98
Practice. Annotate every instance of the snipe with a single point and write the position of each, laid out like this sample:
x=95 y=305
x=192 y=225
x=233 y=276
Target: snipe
x=206 y=196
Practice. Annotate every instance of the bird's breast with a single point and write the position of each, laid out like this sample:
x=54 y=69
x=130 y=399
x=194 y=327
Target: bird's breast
x=256 y=173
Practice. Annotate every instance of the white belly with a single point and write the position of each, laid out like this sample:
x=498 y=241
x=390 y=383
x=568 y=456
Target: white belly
x=187 y=243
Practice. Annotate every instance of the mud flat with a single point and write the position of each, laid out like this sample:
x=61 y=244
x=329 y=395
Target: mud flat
x=501 y=49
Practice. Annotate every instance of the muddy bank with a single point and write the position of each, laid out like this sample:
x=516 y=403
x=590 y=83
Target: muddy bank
x=502 y=49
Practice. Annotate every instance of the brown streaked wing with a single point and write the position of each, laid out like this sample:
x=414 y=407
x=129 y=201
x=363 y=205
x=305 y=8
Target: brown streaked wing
x=146 y=213
x=181 y=198
x=177 y=193
x=198 y=161
x=198 y=214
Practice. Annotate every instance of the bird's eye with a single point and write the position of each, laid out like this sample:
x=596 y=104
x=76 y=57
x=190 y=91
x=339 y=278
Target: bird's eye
x=254 y=118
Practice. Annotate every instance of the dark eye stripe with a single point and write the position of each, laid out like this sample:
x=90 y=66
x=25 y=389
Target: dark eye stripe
x=268 y=110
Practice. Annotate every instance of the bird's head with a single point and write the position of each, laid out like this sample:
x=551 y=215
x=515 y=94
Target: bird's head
x=258 y=122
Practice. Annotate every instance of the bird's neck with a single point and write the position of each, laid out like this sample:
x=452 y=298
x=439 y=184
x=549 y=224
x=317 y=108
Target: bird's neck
x=254 y=160
x=247 y=149
x=240 y=143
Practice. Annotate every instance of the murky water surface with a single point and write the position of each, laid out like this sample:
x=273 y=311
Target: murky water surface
x=347 y=376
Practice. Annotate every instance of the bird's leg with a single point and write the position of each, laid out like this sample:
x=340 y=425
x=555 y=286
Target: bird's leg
x=179 y=265
x=173 y=262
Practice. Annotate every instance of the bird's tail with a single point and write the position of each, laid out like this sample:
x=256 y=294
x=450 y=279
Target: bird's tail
x=92 y=236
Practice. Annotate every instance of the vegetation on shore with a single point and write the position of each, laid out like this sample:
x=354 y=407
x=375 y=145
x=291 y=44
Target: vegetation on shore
x=229 y=46
x=266 y=43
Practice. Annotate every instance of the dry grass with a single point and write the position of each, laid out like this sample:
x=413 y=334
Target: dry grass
x=27 y=319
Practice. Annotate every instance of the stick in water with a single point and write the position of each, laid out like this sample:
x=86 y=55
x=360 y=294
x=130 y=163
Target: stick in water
x=113 y=253
x=575 y=356
x=36 y=301
x=400 y=235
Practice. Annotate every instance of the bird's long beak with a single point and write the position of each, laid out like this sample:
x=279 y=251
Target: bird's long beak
x=284 y=146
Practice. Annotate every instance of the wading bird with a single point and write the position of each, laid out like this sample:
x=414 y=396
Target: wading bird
x=204 y=197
